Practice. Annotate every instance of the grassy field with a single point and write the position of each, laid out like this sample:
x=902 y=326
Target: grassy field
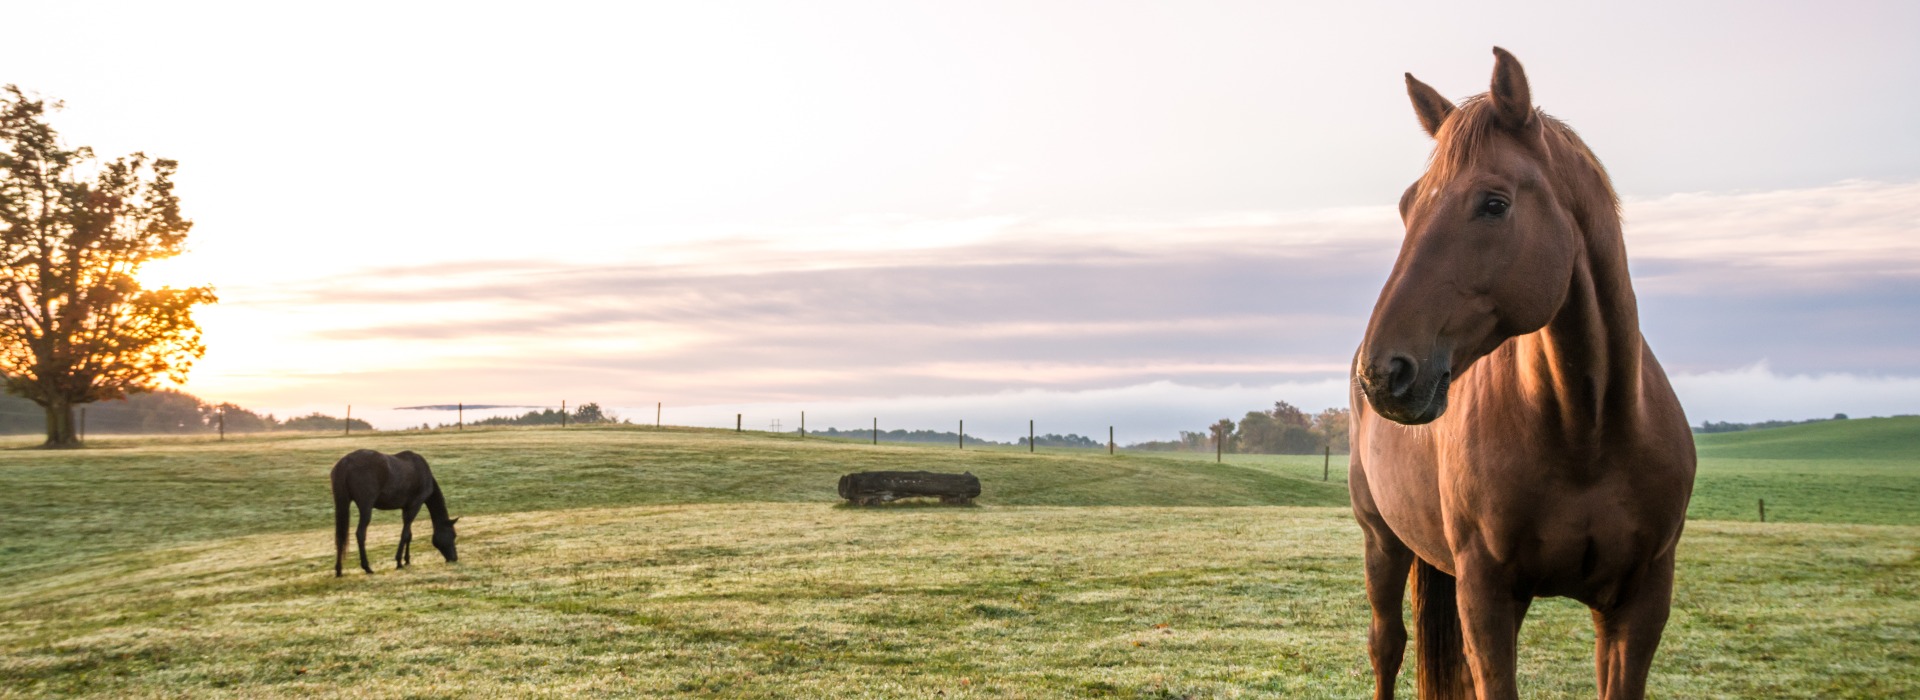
x=708 y=564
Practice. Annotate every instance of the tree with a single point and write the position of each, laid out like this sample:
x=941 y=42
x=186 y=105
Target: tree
x=1332 y=424
x=75 y=325
x=1223 y=435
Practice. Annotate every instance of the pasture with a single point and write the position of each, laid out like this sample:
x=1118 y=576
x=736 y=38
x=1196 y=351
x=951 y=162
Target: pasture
x=703 y=563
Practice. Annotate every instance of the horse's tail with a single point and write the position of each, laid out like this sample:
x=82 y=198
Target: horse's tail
x=1439 y=648
x=341 y=501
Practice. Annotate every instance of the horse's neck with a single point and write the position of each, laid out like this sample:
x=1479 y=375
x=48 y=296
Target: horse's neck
x=1587 y=360
x=437 y=507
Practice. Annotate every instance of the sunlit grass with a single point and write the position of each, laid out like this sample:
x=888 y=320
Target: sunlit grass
x=709 y=564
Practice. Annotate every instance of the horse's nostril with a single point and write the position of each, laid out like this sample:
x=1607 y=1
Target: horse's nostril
x=1400 y=372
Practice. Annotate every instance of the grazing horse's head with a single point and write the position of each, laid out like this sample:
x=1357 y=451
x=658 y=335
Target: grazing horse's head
x=443 y=539
x=1490 y=248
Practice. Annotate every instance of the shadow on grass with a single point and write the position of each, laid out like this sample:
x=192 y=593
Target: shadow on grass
x=907 y=504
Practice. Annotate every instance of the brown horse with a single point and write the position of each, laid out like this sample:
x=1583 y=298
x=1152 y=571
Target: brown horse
x=401 y=481
x=1513 y=436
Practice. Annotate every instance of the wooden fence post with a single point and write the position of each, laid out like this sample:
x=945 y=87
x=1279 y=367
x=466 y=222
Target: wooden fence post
x=656 y=412
x=1219 y=443
x=223 y=423
x=876 y=430
x=738 y=420
x=1763 y=510
x=349 y=420
x=83 y=425
x=1030 y=435
x=1109 y=440
x=963 y=433
x=460 y=415
x=803 y=425
x=563 y=414
x=1326 y=467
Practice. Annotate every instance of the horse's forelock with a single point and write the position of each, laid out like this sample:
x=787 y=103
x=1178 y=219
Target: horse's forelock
x=1467 y=136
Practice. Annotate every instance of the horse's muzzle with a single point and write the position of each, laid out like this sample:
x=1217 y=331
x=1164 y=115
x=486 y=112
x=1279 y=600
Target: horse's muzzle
x=1404 y=391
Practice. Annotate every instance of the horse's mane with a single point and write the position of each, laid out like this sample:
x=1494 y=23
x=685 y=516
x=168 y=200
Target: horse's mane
x=1467 y=135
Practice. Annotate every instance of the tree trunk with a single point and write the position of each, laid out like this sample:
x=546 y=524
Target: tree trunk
x=60 y=425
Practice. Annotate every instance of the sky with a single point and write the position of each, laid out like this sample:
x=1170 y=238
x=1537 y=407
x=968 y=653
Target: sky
x=1087 y=214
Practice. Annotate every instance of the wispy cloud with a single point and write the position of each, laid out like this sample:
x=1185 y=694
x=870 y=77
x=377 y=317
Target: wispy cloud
x=1070 y=306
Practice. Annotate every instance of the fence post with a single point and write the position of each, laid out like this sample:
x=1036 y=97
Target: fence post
x=1219 y=443
x=1763 y=510
x=83 y=425
x=460 y=416
x=656 y=412
x=563 y=414
x=963 y=433
x=1109 y=440
x=1326 y=467
x=738 y=420
x=876 y=430
x=223 y=423
x=803 y=425
x=1029 y=435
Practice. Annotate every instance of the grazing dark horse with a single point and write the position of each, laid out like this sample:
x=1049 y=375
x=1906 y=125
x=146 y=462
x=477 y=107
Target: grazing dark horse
x=387 y=482
x=1513 y=436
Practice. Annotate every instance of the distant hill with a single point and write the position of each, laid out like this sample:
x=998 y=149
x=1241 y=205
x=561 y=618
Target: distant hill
x=1896 y=438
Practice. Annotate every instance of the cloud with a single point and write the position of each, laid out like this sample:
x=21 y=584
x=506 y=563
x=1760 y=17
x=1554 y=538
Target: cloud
x=1757 y=393
x=1814 y=283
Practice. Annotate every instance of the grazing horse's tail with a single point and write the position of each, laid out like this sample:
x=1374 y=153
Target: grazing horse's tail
x=1439 y=648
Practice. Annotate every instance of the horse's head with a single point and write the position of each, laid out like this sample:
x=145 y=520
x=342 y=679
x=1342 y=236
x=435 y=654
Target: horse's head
x=1491 y=243
x=443 y=539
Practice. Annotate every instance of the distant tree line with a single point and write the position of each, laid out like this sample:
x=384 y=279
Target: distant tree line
x=1067 y=440
x=585 y=413
x=1712 y=427
x=932 y=436
x=166 y=412
x=1283 y=430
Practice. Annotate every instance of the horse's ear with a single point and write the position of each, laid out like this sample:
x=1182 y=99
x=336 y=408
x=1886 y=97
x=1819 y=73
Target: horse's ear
x=1429 y=105
x=455 y=521
x=1512 y=100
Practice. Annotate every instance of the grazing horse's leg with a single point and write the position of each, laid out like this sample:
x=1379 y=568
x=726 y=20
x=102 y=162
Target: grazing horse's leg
x=404 y=555
x=1490 y=625
x=341 y=504
x=1626 y=634
x=366 y=516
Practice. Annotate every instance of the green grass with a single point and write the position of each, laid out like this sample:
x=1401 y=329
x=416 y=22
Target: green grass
x=708 y=564
x=1864 y=471
x=1852 y=471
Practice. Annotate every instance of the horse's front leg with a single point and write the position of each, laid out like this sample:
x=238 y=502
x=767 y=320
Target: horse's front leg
x=403 y=555
x=1626 y=634
x=1489 y=624
x=1388 y=562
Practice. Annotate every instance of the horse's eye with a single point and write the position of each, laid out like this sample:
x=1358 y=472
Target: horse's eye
x=1494 y=206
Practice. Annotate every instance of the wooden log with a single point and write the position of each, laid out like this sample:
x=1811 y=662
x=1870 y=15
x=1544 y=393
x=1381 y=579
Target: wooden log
x=871 y=488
